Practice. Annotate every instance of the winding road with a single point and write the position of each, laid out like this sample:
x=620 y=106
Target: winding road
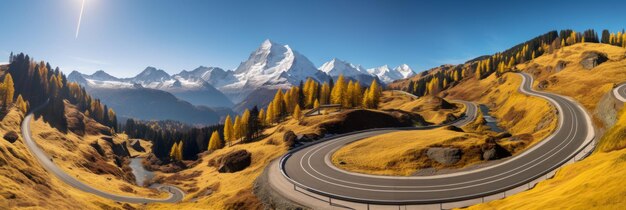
x=310 y=167
x=620 y=92
x=176 y=194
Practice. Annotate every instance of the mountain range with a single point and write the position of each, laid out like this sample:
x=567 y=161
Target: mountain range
x=270 y=67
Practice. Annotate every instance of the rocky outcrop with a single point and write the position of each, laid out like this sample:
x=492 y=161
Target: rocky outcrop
x=11 y=136
x=444 y=155
x=81 y=125
x=309 y=137
x=543 y=84
x=356 y=120
x=136 y=145
x=560 y=65
x=591 y=59
x=493 y=151
x=290 y=138
x=235 y=161
x=453 y=128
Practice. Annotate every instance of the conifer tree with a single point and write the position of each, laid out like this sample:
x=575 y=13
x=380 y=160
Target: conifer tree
x=9 y=89
x=297 y=113
x=375 y=93
x=348 y=95
x=228 y=130
x=325 y=94
x=278 y=108
x=245 y=119
x=262 y=116
x=237 y=129
x=269 y=117
x=21 y=105
x=215 y=142
x=337 y=93
x=179 y=151
x=367 y=99
x=174 y=150
x=357 y=94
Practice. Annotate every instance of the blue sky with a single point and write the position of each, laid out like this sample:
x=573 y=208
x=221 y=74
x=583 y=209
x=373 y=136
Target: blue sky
x=123 y=37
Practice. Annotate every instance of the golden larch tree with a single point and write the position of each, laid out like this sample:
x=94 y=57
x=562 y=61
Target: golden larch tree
x=297 y=113
x=236 y=129
x=228 y=130
x=215 y=142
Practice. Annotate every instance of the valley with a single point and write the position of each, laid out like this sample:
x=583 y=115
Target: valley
x=375 y=105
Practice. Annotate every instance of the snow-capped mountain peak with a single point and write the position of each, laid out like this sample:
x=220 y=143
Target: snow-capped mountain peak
x=273 y=65
x=405 y=70
x=150 y=75
x=387 y=75
x=335 y=67
x=102 y=75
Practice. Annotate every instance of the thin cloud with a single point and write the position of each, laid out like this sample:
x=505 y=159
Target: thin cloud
x=90 y=61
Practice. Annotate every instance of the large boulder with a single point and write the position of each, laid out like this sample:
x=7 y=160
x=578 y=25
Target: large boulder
x=290 y=138
x=560 y=65
x=591 y=59
x=235 y=161
x=493 y=151
x=309 y=137
x=444 y=155
x=136 y=145
x=355 y=120
x=11 y=136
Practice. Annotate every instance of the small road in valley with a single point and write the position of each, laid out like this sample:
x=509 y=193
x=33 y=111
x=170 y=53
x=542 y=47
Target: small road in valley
x=309 y=167
x=176 y=194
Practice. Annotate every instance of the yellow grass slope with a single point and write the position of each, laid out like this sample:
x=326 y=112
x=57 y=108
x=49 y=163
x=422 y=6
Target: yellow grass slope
x=25 y=184
x=429 y=107
x=208 y=189
x=527 y=117
x=597 y=181
x=516 y=112
x=400 y=153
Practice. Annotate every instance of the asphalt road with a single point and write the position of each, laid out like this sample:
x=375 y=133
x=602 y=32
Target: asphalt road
x=176 y=194
x=311 y=169
x=620 y=92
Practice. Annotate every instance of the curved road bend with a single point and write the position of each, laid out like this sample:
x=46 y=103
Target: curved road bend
x=311 y=169
x=620 y=92
x=176 y=194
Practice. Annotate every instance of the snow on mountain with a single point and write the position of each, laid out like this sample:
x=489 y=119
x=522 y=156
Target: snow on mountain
x=405 y=71
x=387 y=75
x=335 y=67
x=152 y=77
x=213 y=75
x=271 y=66
x=192 y=89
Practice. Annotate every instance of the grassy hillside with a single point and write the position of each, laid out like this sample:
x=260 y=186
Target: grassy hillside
x=529 y=119
x=25 y=184
x=517 y=113
x=595 y=182
x=401 y=153
x=433 y=109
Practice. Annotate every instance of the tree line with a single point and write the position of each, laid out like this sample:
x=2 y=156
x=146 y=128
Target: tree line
x=307 y=95
x=37 y=82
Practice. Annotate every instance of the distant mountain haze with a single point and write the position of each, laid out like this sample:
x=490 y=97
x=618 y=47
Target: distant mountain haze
x=270 y=67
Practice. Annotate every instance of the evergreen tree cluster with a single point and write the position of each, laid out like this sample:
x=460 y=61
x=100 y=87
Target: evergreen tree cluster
x=312 y=94
x=186 y=143
x=37 y=82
